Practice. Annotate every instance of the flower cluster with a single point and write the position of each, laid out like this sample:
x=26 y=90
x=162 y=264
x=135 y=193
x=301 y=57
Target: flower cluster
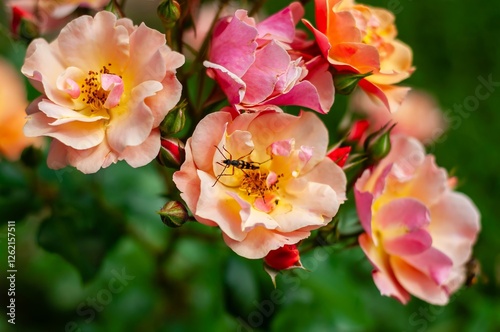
x=243 y=160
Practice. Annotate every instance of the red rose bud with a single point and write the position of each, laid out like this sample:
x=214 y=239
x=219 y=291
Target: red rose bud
x=358 y=130
x=24 y=24
x=346 y=82
x=339 y=155
x=283 y=258
x=172 y=153
x=173 y=214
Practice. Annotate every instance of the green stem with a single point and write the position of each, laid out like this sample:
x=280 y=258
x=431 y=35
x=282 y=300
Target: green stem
x=204 y=46
x=119 y=8
x=256 y=7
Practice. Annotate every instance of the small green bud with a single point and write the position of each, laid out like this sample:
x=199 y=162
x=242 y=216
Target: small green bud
x=381 y=147
x=174 y=121
x=28 y=30
x=24 y=24
x=169 y=12
x=345 y=83
x=173 y=214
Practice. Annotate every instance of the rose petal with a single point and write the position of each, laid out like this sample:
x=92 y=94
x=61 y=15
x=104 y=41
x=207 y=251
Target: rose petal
x=235 y=41
x=417 y=283
x=132 y=122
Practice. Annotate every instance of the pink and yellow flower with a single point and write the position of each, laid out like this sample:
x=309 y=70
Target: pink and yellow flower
x=106 y=85
x=13 y=102
x=419 y=232
x=361 y=39
x=419 y=115
x=282 y=187
x=261 y=66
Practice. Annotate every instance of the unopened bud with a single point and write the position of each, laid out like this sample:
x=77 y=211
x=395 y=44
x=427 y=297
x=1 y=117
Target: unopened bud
x=174 y=121
x=345 y=83
x=169 y=12
x=381 y=146
x=283 y=258
x=172 y=153
x=24 y=24
x=358 y=129
x=339 y=155
x=173 y=214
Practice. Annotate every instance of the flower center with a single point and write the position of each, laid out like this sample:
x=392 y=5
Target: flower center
x=256 y=183
x=262 y=187
x=376 y=36
x=94 y=95
x=101 y=90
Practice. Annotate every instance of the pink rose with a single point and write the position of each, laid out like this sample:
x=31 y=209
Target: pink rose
x=360 y=39
x=13 y=102
x=106 y=85
x=283 y=187
x=418 y=116
x=257 y=66
x=419 y=231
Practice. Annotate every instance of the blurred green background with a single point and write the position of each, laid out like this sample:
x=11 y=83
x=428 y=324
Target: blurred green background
x=93 y=255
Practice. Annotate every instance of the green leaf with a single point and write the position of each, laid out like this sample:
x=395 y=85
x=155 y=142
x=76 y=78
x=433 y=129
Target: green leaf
x=16 y=199
x=82 y=231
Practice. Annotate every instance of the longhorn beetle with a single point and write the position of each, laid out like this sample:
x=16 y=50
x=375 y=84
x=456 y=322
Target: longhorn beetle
x=238 y=163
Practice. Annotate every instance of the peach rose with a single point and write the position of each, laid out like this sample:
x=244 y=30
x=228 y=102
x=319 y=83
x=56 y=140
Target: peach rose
x=107 y=86
x=361 y=39
x=13 y=102
x=419 y=231
x=419 y=115
x=282 y=188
